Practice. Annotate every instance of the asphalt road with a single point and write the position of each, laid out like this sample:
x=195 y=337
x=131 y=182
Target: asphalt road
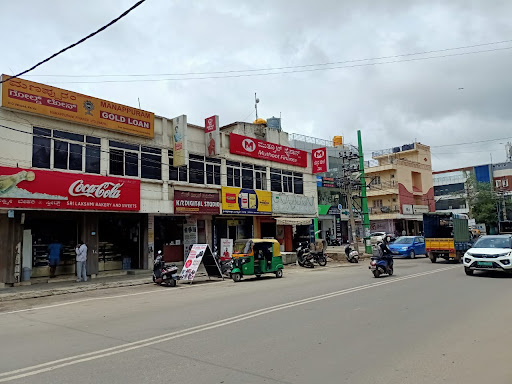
x=429 y=323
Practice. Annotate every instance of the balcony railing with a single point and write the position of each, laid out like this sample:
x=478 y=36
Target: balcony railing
x=383 y=185
x=402 y=162
x=384 y=209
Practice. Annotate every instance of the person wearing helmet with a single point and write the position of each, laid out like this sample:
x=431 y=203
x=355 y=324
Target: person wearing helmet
x=384 y=248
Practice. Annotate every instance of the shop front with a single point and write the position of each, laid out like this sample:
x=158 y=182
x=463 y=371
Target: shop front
x=246 y=213
x=50 y=206
x=294 y=216
x=332 y=223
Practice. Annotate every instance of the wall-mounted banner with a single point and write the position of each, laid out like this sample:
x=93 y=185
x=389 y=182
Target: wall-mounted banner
x=246 y=201
x=179 y=141
x=293 y=204
x=34 y=188
x=226 y=249
x=196 y=202
x=57 y=103
x=259 y=149
x=212 y=132
x=319 y=160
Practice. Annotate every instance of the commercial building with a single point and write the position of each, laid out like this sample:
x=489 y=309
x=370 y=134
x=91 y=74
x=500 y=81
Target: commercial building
x=400 y=188
x=127 y=183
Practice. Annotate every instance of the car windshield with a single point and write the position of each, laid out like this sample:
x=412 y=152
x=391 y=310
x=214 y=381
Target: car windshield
x=404 y=240
x=493 y=242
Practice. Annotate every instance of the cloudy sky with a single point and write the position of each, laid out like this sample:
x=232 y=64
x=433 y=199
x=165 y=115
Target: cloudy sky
x=441 y=102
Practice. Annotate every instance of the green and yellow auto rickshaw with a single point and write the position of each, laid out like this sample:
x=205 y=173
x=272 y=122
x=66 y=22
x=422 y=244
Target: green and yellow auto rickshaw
x=255 y=257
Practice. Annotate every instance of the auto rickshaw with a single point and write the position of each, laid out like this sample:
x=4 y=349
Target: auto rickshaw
x=256 y=257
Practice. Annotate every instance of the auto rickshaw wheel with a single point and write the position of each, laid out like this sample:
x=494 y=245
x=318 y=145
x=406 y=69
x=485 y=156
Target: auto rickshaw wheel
x=279 y=273
x=258 y=276
x=236 y=277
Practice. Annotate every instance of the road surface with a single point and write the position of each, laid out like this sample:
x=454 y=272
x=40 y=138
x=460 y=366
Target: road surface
x=429 y=323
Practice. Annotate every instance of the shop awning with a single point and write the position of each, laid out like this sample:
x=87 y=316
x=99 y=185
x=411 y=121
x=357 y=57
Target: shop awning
x=293 y=220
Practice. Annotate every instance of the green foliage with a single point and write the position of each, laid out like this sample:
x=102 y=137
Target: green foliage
x=482 y=200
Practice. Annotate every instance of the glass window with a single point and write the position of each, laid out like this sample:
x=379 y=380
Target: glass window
x=41 y=147
x=75 y=157
x=287 y=183
x=42 y=132
x=275 y=180
x=92 y=159
x=60 y=154
x=116 y=162
x=234 y=173
x=177 y=173
x=247 y=178
x=117 y=144
x=298 y=183
x=212 y=174
x=150 y=166
x=131 y=164
x=68 y=136
x=93 y=140
x=196 y=169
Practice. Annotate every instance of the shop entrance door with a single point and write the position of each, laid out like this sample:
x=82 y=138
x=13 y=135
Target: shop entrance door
x=119 y=243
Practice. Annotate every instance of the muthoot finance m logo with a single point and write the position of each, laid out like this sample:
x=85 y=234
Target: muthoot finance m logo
x=319 y=154
x=249 y=145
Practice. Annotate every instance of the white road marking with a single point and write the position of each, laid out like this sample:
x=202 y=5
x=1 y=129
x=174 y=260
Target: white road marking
x=72 y=360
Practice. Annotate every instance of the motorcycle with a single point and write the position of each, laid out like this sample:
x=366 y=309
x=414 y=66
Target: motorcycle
x=306 y=258
x=333 y=241
x=164 y=274
x=381 y=265
x=225 y=265
x=351 y=254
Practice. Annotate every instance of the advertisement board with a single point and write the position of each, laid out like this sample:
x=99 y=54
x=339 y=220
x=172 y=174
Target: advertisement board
x=40 y=189
x=319 y=160
x=212 y=132
x=226 y=249
x=28 y=96
x=194 y=258
x=246 y=201
x=293 y=204
x=189 y=235
x=179 y=141
x=259 y=149
x=196 y=203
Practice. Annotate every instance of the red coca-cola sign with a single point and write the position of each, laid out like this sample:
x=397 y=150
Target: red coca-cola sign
x=259 y=149
x=33 y=188
x=196 y=202
x=319 y=160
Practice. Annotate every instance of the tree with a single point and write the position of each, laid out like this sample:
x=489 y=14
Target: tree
x=483 y=202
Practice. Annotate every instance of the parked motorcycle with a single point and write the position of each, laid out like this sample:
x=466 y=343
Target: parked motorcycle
x=332 y=241
x=164 y=274
x=381 y=265
x=351 y=254
x=304 y=257
x=225 y=265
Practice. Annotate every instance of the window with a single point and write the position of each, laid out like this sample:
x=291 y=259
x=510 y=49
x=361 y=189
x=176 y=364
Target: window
x=375 y=180
x=124 y=159
x=233 y=171
x=212 y=170
x=196 y=169
x=260 y=177
x=41 y=148
x=66 y=149
x=151 y=163
x=377 y=203
x=247 y=176
x=286 y=181
x=177 y=173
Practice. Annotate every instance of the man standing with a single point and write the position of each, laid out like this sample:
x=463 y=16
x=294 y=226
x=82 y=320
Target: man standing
x=81 y=260
x=54 y=250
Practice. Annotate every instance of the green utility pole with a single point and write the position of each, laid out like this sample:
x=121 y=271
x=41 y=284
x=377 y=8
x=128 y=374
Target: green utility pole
x=364 y=201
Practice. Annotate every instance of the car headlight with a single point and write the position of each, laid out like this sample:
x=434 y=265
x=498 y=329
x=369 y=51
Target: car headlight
x=468 y=254
x=467 y=260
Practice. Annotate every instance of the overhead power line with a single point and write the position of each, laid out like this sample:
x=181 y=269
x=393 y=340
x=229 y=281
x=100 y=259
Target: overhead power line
x=283 y=67
x=78 y=42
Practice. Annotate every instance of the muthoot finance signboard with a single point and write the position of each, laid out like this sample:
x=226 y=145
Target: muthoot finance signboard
x=27 y=96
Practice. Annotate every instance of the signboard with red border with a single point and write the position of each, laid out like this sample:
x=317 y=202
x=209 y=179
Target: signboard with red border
x=40 y=189
x=319 y=160
x=259 y=149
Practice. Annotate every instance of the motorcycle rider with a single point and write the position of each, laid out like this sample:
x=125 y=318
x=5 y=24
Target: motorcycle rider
x=385 y=251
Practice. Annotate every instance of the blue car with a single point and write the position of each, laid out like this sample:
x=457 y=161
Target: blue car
x=408 y=246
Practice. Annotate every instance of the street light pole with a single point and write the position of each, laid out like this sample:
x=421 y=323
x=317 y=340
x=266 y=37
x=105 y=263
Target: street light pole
x=364 y=201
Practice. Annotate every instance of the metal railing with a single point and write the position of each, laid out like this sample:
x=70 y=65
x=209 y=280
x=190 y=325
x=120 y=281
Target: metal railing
x=384 y=209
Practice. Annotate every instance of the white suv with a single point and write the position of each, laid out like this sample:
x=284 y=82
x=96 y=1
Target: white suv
x=489 y=253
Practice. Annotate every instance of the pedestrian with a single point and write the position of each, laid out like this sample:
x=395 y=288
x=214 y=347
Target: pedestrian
x=81 y=260
x=54 y=250
x=404 y=233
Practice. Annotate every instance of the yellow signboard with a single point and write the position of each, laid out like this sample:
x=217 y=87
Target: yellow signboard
x=246 y=201
x=65 y=105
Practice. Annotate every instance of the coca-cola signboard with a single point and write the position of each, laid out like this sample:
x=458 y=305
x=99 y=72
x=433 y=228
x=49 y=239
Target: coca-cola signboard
x=319 y=160
x=33 y=188
x=259 y=149
x=196 y=202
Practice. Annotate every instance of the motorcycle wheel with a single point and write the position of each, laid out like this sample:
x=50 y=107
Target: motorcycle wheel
x=376 y=273
x=322 y=261
x=172 y=283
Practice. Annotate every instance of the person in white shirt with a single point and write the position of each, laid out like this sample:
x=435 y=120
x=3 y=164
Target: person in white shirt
x=81 y=261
